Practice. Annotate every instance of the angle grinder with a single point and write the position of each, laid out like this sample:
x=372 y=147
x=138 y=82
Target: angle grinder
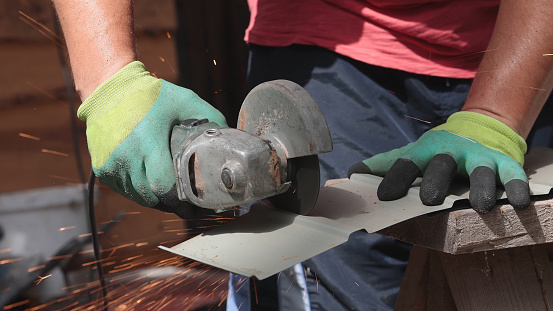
x=272 y=155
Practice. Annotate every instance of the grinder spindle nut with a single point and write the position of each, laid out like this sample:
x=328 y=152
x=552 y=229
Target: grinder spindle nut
x=227 y=178
x=233 y=177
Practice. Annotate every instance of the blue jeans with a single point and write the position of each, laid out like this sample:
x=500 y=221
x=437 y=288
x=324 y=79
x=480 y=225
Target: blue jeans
x=369 y=110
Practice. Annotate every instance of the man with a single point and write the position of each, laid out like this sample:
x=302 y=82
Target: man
x=370 y=66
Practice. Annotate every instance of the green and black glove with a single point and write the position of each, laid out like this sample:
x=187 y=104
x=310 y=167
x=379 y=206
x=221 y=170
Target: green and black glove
x=129 y=121
x=470 y=144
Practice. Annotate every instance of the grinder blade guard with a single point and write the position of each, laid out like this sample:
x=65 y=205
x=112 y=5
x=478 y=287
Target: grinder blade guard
x=273 y=153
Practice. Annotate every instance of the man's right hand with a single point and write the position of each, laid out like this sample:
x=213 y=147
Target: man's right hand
x=129 y=122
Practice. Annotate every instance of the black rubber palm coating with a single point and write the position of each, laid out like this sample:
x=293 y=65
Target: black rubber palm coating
x=482 y=194
x=398 y=180
x=518 y=193
x=437 y=178
x=170 y=203
x=359 y=168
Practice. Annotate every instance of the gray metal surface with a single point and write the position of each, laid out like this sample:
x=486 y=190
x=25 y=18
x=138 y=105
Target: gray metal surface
x=266 y=241
x=283 y=111
x=225 y=167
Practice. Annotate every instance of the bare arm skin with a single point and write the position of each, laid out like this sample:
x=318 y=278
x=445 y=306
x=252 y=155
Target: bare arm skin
x=99 y=37
x=516 y=75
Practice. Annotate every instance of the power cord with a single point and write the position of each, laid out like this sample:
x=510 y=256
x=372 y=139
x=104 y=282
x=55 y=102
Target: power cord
x=95 y=243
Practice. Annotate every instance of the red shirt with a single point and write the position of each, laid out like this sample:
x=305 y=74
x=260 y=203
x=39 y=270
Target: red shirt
x=443 y=38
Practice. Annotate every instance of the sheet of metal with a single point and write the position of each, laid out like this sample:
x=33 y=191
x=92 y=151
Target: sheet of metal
x=539 y=168
x=264 y=241
x=267 y=240
x=355 y=203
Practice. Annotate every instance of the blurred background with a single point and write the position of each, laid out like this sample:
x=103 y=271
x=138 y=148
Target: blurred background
x=46 y=257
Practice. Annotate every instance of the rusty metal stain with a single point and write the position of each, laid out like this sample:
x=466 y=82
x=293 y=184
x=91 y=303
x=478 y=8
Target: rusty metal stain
x=274 y=169
x=198 y=181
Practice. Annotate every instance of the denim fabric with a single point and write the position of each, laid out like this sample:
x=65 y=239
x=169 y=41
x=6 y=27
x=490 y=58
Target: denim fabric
x=369 y=110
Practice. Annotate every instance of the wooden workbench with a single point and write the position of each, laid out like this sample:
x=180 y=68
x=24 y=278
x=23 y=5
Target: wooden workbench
x=462 y=260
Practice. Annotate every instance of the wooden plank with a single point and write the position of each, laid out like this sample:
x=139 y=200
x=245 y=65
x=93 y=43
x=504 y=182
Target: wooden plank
x=440 y=297
x=509 y=279
x=424 y=286
x=466 y=231
x=413 y=294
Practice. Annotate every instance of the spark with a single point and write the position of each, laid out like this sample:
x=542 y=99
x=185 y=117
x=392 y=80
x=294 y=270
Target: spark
x=6 y=261
x=176 y=230
x=168 y=35
x=59 y=257
x=356 y=284
x=29 y=136
x=215 y=62
x=293 y=280
x=17 y=304
x=428 y=122
x=131 y=213
x=531 y=88
x=92 y=262
x=548 y=54
x=163 y=60
x=41 y=278
x=36 y=268
x=475 y=53
x=391 y=91
x=255 y=289
x=55 y=152
x=317 y=281
x=133 y=258
x=172 y=220
x=67 y=228
x=41 y=28
x=141 y=244
x=44 y=92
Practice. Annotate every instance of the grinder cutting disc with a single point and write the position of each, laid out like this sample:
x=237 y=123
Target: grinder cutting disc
x=304 y=189
x=285 y=114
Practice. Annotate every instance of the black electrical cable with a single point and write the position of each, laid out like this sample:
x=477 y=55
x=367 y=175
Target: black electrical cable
x=95 y=243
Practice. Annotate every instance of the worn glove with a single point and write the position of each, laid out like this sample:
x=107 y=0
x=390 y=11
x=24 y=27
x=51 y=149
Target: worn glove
x=469 y=144
x=129 y=120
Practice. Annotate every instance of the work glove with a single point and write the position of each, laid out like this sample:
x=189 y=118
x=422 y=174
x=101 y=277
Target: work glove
x=470 y=144
x=129 y=121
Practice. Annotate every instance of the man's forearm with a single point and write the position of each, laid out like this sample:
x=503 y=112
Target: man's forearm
x=516 y=75
x=99 y=37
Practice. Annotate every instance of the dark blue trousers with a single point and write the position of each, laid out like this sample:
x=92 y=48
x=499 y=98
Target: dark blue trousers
x=369 y=110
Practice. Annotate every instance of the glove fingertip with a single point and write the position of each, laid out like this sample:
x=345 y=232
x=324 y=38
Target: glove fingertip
x=359 y=168
x=482 y=194
x=482 y=204
x=387 y=192
x=518 y=193
x=398 y=180
x=437 y=178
